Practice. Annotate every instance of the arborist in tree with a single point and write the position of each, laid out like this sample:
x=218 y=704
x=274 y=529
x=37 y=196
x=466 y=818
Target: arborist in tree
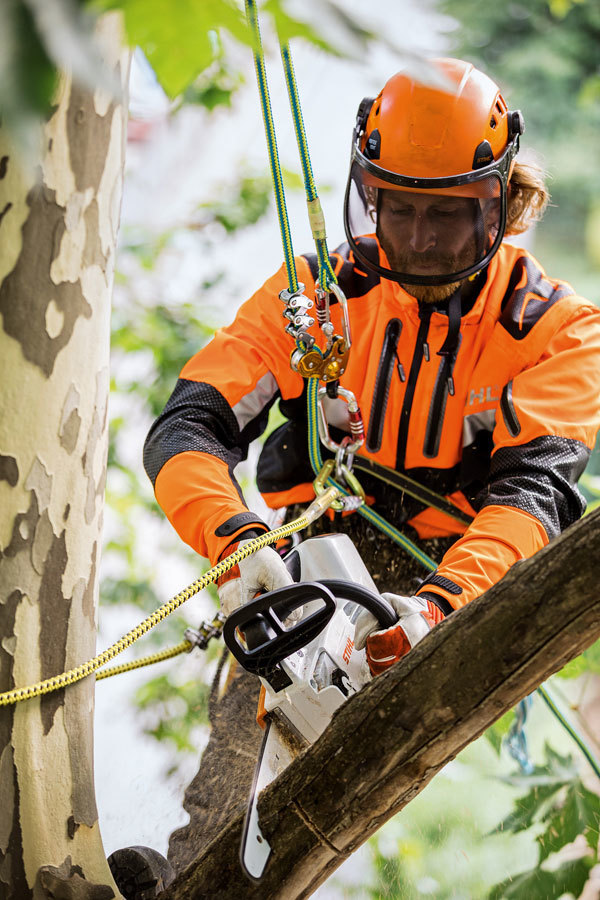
x=477 y=374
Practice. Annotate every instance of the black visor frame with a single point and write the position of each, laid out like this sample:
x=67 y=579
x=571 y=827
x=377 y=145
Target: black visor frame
x=500 y=169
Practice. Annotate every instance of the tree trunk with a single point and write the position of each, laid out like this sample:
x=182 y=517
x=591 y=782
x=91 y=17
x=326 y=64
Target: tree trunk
x=58 y=228
x=386 y=742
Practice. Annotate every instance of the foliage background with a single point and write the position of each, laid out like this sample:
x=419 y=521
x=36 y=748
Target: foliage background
x=459 y=837
x=184 y=266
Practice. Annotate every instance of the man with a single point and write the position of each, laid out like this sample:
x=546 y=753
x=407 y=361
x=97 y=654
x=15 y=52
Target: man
x=477 y=374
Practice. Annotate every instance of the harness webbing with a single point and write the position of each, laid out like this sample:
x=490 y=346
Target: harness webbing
x=406 y=485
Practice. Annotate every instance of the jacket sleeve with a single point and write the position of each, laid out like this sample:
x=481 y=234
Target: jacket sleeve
x=220 y=404
x=546 y=425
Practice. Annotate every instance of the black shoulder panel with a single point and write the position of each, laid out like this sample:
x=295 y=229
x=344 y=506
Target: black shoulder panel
x=196 y=417
x=529 y=295
x=352 y=278
x=540 y=478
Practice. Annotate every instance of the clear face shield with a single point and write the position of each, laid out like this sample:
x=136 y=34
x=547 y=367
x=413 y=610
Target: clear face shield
x=430 y=231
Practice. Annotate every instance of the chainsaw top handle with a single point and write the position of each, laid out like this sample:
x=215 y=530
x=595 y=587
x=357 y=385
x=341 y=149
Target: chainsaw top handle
x=268 y=641
x=380 y=608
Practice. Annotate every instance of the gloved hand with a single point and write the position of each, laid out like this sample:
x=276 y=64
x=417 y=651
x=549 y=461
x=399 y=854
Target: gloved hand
x=416 y=617
x=263 y=571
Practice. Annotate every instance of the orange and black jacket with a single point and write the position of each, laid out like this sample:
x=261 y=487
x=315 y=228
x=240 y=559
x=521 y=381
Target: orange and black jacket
x=492 y=400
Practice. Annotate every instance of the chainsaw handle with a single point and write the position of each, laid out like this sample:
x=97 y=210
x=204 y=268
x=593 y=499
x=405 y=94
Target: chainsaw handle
x=374 y=603
x=262 y=618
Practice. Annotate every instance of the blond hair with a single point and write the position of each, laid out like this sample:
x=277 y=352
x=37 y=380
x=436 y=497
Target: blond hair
x=528 y=197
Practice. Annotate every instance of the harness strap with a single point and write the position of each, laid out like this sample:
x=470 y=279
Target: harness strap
x=413 y=488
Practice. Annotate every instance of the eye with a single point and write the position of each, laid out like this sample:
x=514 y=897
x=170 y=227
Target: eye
x=444 y=212
x=401 y=210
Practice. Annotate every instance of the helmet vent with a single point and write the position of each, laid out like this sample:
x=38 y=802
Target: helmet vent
x=493 y=122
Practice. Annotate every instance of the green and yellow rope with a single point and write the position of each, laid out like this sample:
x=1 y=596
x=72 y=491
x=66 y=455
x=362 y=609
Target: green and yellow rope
x=88 y=668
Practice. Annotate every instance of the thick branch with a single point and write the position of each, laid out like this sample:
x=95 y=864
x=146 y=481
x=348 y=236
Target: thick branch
x=387 y=742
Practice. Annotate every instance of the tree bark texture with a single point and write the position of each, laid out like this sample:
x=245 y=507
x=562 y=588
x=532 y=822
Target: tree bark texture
x=388 y=741
x=58 y=229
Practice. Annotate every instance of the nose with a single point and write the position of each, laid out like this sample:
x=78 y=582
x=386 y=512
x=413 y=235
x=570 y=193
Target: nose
x=423 y=236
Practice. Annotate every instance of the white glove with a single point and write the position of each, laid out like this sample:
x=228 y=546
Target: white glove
x=263 y=571
x=416 y=618
x=410 y=612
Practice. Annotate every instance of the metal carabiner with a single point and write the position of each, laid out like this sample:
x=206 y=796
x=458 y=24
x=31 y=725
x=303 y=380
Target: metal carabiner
x=335 y=289
x=357 y=431
x=352 y=482
x=324 y=474
x=345 y=503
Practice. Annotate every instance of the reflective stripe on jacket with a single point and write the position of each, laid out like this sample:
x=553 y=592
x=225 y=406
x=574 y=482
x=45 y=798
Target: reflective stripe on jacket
x=503 y=422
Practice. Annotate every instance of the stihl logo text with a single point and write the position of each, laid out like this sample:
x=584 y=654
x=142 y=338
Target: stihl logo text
x=348 y=650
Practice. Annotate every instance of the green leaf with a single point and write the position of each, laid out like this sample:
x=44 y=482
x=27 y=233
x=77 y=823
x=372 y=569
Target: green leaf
x=529 y=809
x=177 y=39
x=116 y=592
x=538 y=884
x=588 y=661
x=579 y=814
x=543 y=785
x=496 y=732
x=240 y=205
x=288 y=27
x=172 y=710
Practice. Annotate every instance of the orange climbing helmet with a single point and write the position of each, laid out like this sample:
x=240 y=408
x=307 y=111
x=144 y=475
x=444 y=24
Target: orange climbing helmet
x=429 y=175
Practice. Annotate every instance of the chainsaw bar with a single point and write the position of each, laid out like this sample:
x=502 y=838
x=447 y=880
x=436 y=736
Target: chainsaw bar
x=308 y=669
x=276 y=753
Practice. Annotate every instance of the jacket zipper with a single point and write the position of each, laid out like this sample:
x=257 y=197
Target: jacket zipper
x=421 y=349
x=387 y=362
x=444 y=386
x=509 y=412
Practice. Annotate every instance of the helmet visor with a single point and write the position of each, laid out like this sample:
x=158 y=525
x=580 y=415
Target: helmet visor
x=436 y=235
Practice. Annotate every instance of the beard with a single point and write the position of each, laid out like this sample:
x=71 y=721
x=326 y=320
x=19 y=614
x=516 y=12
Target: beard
x=445 y=263
x=432 y=293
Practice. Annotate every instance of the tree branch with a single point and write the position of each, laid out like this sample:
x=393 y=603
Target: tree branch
x=386 y=743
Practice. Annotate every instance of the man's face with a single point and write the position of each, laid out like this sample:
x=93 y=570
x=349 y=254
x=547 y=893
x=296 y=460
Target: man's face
x=428 y=235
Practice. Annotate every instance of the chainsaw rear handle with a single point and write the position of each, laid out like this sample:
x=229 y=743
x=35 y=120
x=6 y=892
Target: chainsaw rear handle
x=267 y=639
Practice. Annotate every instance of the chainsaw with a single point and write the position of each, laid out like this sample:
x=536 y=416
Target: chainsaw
x=306 y=669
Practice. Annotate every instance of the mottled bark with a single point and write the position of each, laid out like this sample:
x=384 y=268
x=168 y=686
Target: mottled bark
x=58 y=228
x=386 y=743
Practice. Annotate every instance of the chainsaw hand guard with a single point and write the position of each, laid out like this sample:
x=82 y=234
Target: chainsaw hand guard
x=268 y=641
x=262 y=621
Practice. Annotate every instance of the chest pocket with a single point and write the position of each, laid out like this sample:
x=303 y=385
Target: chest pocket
x=388 y=361
x=444 y=387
